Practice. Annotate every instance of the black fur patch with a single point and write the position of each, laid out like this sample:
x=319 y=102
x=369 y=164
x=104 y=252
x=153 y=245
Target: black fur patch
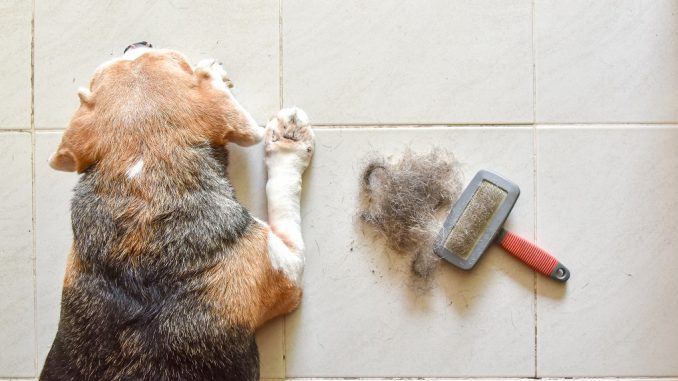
x=141 y=317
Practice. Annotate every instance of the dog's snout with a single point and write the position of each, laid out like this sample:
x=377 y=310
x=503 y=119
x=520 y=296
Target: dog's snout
x=135 y=45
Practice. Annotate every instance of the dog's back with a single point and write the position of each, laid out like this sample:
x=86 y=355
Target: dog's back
x=135 y=308
x=169 y=276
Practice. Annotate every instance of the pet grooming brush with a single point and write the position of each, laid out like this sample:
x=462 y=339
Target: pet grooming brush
x=476 y=221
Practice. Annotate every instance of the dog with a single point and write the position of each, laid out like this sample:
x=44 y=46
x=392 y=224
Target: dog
x=169 y=276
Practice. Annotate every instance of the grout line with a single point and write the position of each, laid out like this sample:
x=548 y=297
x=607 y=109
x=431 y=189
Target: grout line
x=358 y=126
x=534 y=69
x=31 y=130
x=594 y=123
x=280 y=54
x=441 y=124
x=535 y=186
x=507 y=124
x=535 y=301
x=281 y=100
x=33 y=194
x=648 y=378
x=414 y=125
x=535 y=155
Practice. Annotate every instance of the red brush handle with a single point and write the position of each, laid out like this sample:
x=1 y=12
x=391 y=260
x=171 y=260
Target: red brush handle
x=533 y=255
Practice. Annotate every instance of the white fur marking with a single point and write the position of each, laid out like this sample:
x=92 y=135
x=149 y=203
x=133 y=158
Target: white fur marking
x=135 y=169
x=283 y=259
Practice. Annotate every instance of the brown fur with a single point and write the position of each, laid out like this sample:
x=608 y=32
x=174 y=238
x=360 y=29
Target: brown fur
x=131 y=112
x=246 y=289
x=100 y=134
x=73 y=267
x=101 y=124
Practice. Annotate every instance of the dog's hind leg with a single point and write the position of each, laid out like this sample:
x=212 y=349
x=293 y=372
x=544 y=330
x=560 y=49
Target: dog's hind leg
x=289 y=147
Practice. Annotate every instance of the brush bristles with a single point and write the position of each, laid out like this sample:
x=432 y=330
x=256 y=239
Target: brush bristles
x=474 y=219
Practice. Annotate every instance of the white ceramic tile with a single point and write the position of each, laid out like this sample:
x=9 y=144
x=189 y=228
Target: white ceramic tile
x=247 y=172
x=606 y=61
x=72 y=38
x=434 y=61
x=17 y=337
x=15 y=55
x=607 y=207
x=53 y=192
x=270 y=343
x=53 y=239
x=362 y=317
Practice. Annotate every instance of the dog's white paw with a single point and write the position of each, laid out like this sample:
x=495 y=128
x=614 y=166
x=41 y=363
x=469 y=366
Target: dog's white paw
x=216 y=69
x=290 y=133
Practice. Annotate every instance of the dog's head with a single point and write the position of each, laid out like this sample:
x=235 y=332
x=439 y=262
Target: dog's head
x=148 y=99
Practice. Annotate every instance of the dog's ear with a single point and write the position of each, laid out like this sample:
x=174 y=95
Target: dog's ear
x=231 y=122
x=85 y=96
x=77 y=150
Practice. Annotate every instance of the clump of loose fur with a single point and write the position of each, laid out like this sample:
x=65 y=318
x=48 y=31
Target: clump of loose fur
x=401 y=201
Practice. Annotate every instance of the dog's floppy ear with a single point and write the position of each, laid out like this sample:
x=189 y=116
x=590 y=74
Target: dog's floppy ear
x=85 y=96
x=77 y=150
x=233 y=122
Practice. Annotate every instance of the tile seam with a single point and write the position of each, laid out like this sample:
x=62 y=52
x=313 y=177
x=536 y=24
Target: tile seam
x=648 y=378
x=442 y=124
x=33 y=197
x=280 y=54
x=535 y=184
x=534 y=67
x=535 y=301
x=451 y=125
x=281 y=103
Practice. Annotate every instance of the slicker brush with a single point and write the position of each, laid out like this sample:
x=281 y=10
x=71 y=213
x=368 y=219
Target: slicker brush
x=476 y=220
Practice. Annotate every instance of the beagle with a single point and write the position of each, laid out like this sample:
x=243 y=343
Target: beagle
x=169 y=276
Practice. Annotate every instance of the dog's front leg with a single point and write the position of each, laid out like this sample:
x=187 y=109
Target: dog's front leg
x=242 y=129
x=289 y=147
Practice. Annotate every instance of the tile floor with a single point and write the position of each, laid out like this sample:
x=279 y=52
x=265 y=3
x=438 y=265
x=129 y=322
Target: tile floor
x=576 y=101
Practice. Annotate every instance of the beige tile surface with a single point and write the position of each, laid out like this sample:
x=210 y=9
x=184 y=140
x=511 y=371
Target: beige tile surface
x=15 y=55
x=53 y=192
x=392 y=61
x=247 y=172
x=604 y=204
x=361 y=316
x=53 y=239
x=606 y=61
x=243 y=34
x=17 y=338
x=607 y=206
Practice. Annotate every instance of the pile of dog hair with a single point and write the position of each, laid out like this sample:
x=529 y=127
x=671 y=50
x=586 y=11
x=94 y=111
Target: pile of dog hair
x=401 y=200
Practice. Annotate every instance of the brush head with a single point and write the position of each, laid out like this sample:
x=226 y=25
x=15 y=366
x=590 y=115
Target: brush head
x=476 y=219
